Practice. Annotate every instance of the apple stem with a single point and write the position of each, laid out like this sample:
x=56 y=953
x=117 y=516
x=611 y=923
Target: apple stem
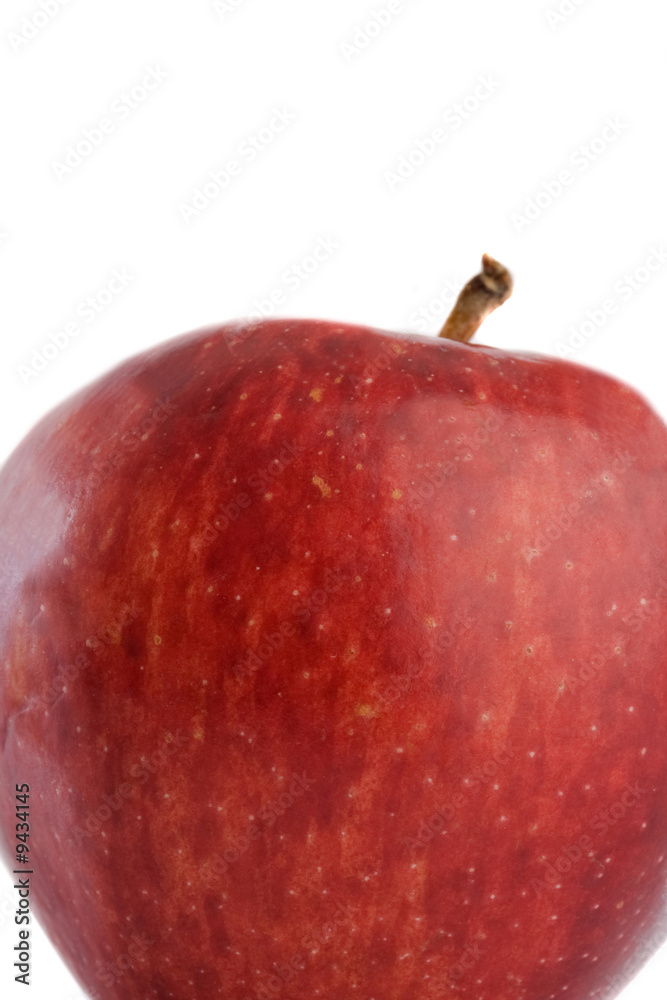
x=483 y=293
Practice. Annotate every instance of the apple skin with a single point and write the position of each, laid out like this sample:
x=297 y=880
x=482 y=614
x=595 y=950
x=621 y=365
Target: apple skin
x=342 y=737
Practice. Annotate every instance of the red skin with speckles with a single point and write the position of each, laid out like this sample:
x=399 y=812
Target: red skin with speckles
x=335 y=662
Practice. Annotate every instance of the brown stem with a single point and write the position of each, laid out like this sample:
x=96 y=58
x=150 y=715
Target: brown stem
x=483 y=293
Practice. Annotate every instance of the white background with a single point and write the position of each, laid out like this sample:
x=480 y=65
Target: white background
x=553 y=82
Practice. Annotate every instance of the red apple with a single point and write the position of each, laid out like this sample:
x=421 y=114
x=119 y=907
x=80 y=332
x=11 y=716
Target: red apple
x=334 y=661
